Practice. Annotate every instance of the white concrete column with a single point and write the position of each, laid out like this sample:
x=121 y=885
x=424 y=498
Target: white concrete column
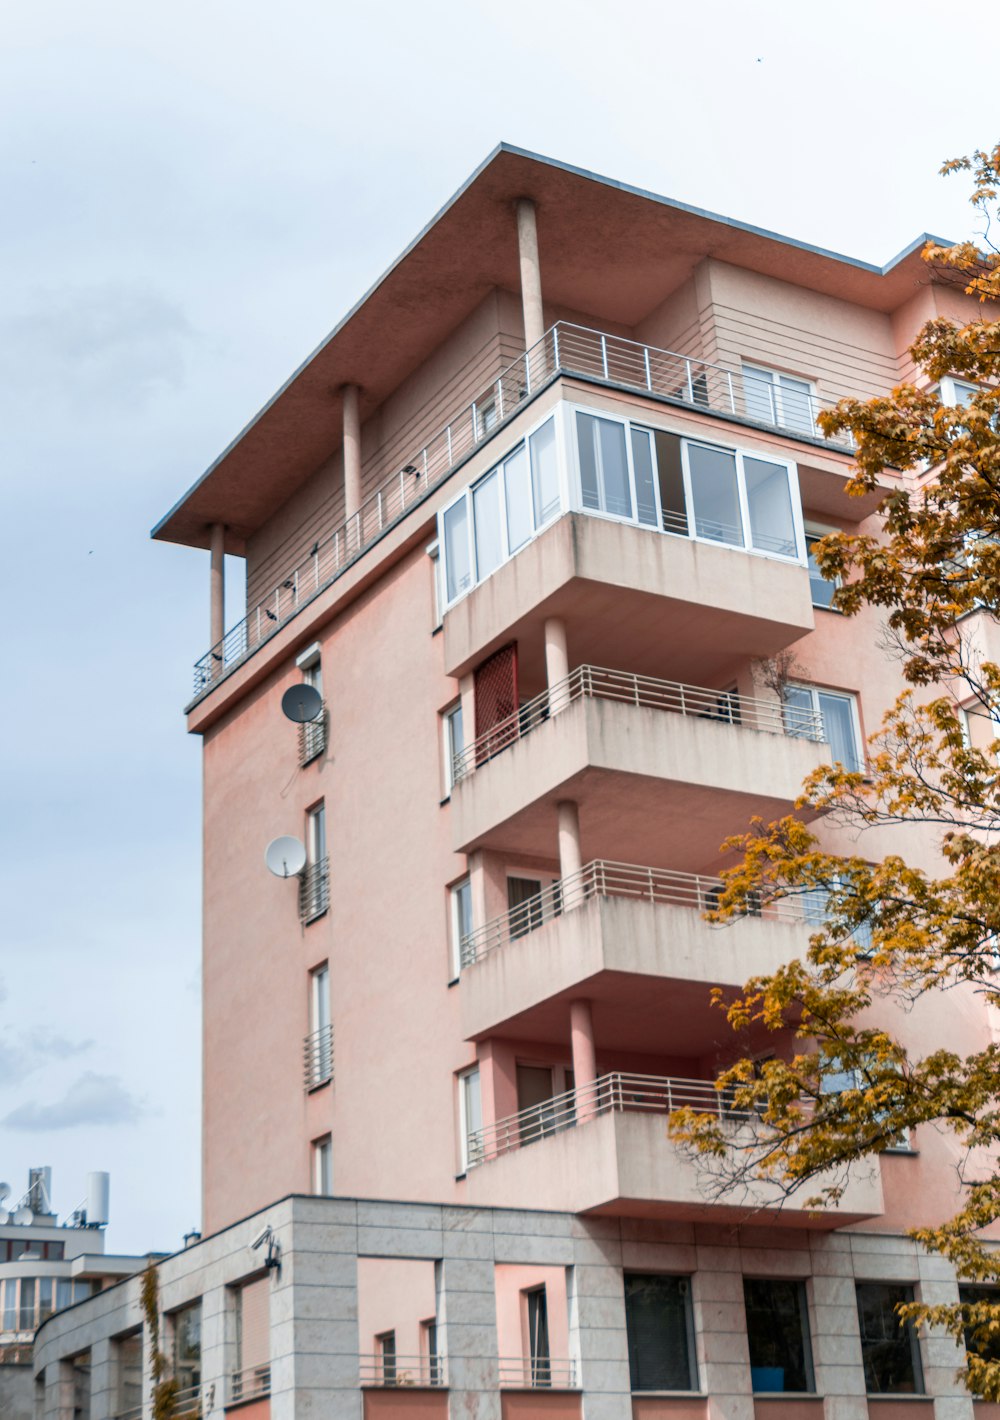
x=102 y=1380
x=556 y=650
x=350 y=395
x=531 y=274
x=217 y=584
x=570 y=859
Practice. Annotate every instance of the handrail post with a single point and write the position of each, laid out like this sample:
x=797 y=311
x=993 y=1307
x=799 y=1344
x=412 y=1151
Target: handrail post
x=555 y=345
x=649 y=373
x=604 y=355
x=500 y=398
x=402 y=491
x=690 y=385
x=732 y=393
x=447 y=434
x=475 y=423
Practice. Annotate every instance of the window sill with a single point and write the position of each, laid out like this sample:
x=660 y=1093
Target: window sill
x=678 y=1394
x=900 y=1395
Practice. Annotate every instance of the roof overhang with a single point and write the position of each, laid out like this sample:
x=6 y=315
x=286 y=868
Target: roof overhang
x=608 y=249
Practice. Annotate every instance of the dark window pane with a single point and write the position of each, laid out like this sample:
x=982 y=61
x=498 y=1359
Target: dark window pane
x=888 y=1347
x=822 y=591
x=659 y=1332
x=778 y=1333
x=670 y=475
x=977 y=1339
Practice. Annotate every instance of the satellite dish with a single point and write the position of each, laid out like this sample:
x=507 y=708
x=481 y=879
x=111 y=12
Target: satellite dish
x=301 y=703
x=4 y=1191
x=285 y=857
x=24 y=1216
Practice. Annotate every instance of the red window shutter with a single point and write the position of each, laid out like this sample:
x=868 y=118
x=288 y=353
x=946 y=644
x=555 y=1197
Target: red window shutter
x=496 y=702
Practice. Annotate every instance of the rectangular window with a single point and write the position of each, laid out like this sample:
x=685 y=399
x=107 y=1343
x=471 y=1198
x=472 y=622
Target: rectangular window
x=821 y=590
x=838 y=716
x=888 y=1346
x=488 y=525
x=527 y=906
x=453 y=742
x=517 y=483
x=128 y=1373
x=538 y=1336
x=429 y=1349
x=187 y=1347
x=27 y=1307
x=44 y=1298
x=322 y=1161
x=462 y=950
x=314 y=885
x=957 y=392
x=772 y=522
x=604 y=476
x=778 y=1334
x=978 y=1338
x=312 y=734
x=385 y=1349
x=715 y=494
x=660 y=1332
x=252 y=1375
x=319 y=1052
x=457 y=555
x=779 y=399
x=544 y=473
x=470 y=1122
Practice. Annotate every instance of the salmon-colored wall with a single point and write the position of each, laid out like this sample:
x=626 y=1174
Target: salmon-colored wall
x=540 y=1405
x=395 y=1294
x=681 y=1407
x=252 y=1409
x=511 y=1281
x=406 y=1405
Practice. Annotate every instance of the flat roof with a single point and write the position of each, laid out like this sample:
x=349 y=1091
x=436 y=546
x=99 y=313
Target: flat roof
x=615 y=257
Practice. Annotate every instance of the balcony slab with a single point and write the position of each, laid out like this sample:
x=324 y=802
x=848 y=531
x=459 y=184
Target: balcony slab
x=647 y=969
x=624 y=1164
x=652 y=786
x=630 y=596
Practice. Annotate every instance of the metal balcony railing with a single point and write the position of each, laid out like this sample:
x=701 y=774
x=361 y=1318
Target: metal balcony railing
x=314 y=890
x=133 y=1413
x=537 y=1373
x=252 y=1384
x=396 y=1371
x=317 y=1057
x=612 y=1093
x=603 y=878
x=565 y=349
x=596 y=682
x=188 y=1401
x=312 y=738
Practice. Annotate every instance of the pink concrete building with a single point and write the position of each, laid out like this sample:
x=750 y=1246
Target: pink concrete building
x=531 y=521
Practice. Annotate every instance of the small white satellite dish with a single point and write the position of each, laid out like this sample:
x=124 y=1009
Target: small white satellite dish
x=4 y=1191
x=24 y=1216
x=301 y=703
x=285 y=857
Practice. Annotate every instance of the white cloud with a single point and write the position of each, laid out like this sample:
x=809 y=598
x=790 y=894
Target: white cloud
x=92 y=1099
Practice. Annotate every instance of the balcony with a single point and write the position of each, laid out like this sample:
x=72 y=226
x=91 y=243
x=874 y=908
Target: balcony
x=565 y=350
x=604 y=1148
x=637 y=754
x=314 y=890
x=392 y=1371
x=538 y=1373
x=634 y=941
x=617 y=587
x=251 y=1384
x=317 y=1058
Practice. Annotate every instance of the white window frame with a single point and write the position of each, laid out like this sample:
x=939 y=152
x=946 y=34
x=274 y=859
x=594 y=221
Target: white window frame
x=448 y=752
x=814 y=531
x=774 y=378
x=433 y=551
x=950 y=387
x=455 y=931
x=686 y=441
x=463 y=1119
x=322 y=1166
x=320 y=1019
x=556 y=413
x=815 y=691
x=315 y=815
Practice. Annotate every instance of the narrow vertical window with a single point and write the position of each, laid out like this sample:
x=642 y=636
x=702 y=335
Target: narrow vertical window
x=778 y=1335
x=517 y=486
x=385 y=1345
x=604 y=478
x=470 y=1110
x=462 y=947
x=314 y=885
x=888 y=1345
x=820 y=589
x=457 y=558
x=489 y=527
x=642 y=463
x=769 y=499
x=538 y=1337
x=322 y=1161
x=544 y=473
x=715 y=494
x=312 y=734
x=429 y=1350
x=319 y=1046
x=453 y=743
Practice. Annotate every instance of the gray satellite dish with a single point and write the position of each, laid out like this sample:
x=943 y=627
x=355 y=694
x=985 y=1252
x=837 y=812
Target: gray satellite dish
x=285 y=857
x=301 y=703
x=4 y=1191
x=24 y=1216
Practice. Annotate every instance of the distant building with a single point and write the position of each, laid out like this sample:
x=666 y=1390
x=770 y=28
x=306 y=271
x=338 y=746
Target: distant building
x=534 y=525
x=46 y=1266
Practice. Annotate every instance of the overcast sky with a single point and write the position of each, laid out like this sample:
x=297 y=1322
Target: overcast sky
x=193 y=194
